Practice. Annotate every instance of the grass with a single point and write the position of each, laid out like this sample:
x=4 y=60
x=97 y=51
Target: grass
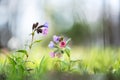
x=83 y=61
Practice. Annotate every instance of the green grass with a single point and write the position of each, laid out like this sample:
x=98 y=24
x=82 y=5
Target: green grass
x=83 y=61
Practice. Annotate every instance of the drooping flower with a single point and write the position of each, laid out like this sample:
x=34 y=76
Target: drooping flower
x=51 y=44
x=52 y=54
x=56 y=38
x=62 y=44
x=45 y=31
x=40 y=28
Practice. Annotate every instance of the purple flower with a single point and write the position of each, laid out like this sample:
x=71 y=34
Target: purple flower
x=45 y=31
x=46 y=25
x=51 y=44
x=52 y=54
x=56 y=38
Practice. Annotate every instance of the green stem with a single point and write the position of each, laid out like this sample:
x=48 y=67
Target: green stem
x=69 y=61
x=32 y=37
x=33 y=33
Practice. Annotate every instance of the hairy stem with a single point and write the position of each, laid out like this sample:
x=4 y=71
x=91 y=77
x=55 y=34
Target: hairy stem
x=69 y=61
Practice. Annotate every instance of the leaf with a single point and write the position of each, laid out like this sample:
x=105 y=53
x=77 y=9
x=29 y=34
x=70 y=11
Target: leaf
x=67 y=50
x=23 y=51
x=42 y=61
x=67 y=42
x=78 y=61
x=43 y=65
x=21 y=68
x=12 y=61
x=30 y=62
x=65 y=63
x=30 y=69
x=56 y=50
x=37 y=41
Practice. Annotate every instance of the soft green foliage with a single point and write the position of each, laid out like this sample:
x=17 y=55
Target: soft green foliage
x=94 y=61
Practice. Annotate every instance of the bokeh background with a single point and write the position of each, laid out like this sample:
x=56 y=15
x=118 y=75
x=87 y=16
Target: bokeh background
x=88 y=22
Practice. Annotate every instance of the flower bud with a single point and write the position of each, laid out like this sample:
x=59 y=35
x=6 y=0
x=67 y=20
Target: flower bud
x=39 y=30
x=35 y=25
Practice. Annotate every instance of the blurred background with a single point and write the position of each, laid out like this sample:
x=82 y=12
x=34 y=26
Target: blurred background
x=87 y=22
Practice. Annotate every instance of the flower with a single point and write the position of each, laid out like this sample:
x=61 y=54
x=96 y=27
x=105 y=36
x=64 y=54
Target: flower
x=56 y=38
x=52 y=54
x=45 y=31
x=51 y=44
x=62 y=44
x=46 y=25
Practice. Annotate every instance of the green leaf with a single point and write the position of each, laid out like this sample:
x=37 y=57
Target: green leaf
x=42 y=61
x=56 y=50
x=12 y=61
x=37 y=41
x=23 y=51
x=43 y=65
x=67 y=42
x=30 y=62
x=67 y=50
x=30 y=69
x=65 y=63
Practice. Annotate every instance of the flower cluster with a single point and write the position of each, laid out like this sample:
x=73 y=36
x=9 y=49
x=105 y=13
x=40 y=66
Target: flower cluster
x=59 y=44
x=40 y=28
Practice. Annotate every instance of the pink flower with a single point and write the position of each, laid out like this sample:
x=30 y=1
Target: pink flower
x=62 y=44
x=52 y=54
x=45 y=31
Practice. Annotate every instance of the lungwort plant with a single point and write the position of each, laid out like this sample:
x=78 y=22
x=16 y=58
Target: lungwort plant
x=61 y=54
x=19 y=59
x=59 y=46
